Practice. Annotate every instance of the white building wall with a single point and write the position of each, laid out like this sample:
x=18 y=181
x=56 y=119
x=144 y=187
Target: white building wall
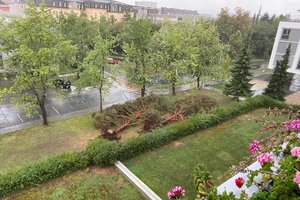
x=293 y=40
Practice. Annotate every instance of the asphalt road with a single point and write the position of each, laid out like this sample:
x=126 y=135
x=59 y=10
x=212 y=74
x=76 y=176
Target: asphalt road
x=12 y=118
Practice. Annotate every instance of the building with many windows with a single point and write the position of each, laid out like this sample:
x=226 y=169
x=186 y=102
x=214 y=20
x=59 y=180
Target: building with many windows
x=146 y=4
x=288 y=33
x=94 y=9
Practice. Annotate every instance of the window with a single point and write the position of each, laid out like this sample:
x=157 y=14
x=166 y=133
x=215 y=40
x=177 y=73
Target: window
x=53 y=4
x=286 y=34
x=298 y=66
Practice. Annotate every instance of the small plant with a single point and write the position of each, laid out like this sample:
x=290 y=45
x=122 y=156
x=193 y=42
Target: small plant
x=176 y=193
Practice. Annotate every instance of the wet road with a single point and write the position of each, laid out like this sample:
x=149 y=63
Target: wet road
x=58 y=107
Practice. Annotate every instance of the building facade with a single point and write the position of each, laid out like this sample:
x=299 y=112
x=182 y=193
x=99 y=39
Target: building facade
x=94 y=9
x=288 y=33
x=146 y=4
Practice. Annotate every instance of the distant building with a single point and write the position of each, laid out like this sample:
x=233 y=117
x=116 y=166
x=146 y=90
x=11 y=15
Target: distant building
x=288 y=33
x=159 y=15
x=4 y=7
x=146 y=4
x=94 y=9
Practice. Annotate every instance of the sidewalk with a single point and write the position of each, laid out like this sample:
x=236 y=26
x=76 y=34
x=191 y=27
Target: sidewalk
x=293 y=98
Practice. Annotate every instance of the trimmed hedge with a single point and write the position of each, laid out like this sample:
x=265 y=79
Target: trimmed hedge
x=41 y=171
x=102 y=152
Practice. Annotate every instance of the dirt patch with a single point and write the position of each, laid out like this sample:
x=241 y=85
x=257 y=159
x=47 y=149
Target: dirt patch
x=105 y=171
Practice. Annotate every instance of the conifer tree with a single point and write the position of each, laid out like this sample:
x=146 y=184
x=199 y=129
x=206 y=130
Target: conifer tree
x=279 y=78
x=239 y=85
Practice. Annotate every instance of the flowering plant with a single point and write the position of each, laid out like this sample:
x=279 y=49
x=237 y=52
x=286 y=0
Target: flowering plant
x=239 y=182
x=176 y=193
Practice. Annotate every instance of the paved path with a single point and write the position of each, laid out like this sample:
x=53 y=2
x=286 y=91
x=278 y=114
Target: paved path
x=293 y=98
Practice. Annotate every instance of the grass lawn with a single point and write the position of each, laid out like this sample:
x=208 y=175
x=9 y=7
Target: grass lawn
x=218 y=148
x=30 y=144
x=99 y=183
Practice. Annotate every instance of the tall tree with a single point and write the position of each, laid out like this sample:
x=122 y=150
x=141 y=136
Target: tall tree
x=229 y=24
x=279 y=78
x=239 y=85
x=93 y=68
x=172 y=51
x=80 y=31
x=208 y=55
x=138 y=49
x=36 y=51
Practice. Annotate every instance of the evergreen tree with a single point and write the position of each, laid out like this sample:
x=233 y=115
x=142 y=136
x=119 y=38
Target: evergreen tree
x=239 y=85
x=279 y=78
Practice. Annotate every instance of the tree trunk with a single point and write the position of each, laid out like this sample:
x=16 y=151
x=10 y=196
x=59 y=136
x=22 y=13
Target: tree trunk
x=198 y=82
x=44 y=113
x=143 y=90
x=173 y=88
x=100 y=94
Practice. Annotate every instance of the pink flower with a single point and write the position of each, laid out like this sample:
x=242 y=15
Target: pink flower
x=176 y=192
x=297 y=179
x=296 y=152
x=293 y=125
x=264 y=158
x=239 y=182
x=254 y=146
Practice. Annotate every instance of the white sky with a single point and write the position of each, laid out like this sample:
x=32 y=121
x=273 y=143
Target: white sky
x=214 y=6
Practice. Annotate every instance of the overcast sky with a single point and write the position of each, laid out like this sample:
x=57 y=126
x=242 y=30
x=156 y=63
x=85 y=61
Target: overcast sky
x=213 y=6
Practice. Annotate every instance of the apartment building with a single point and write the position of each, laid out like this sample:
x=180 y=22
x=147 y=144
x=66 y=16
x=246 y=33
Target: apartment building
x=94 y=9
x=288 y=33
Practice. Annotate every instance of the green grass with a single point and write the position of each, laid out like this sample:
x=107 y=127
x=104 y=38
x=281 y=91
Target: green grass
x=219 y=86
x=30 y=144
x=97 y=184
x=218 y=148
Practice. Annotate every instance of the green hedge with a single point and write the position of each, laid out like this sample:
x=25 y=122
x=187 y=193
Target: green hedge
x=102 y=152
x=163 y=136
x=41 y=171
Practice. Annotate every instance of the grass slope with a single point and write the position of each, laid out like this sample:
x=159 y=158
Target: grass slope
x=218 y=148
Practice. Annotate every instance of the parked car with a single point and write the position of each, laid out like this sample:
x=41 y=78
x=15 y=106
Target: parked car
x=62 y=84
x=113 y=61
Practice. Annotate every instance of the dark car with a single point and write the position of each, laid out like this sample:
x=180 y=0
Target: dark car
x=60 y=83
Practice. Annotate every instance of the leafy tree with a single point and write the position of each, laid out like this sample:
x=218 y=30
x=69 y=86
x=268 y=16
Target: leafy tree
x=172 y=51
x=279 y=78
x=263 y=34
x=208 y=55
x=229 y=24
x=139 y=67
x=36 y=51
x=93 y=68
x=239 y=85
x=80 y=31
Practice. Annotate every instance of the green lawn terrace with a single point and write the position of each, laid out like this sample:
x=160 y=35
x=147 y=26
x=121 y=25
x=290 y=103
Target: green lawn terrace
x=90 y=184
x=218 y=148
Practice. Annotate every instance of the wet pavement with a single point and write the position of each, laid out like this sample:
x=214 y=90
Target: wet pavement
x=58 y=107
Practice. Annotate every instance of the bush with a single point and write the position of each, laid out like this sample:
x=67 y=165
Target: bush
x=41 y=171
x=102 y=152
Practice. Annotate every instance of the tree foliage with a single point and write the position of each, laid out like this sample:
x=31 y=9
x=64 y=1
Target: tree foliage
x=209 y=55
x=239 y=85
x=172 y=50
x=80 y=31
x=36 y=51
x=93 y=68
x=138 y=50
x=279 y=78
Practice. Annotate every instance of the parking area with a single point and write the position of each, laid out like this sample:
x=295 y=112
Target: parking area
x=59 y=107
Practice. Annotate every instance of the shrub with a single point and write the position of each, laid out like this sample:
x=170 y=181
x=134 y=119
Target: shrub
x=102 y=152
x=41 y=172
